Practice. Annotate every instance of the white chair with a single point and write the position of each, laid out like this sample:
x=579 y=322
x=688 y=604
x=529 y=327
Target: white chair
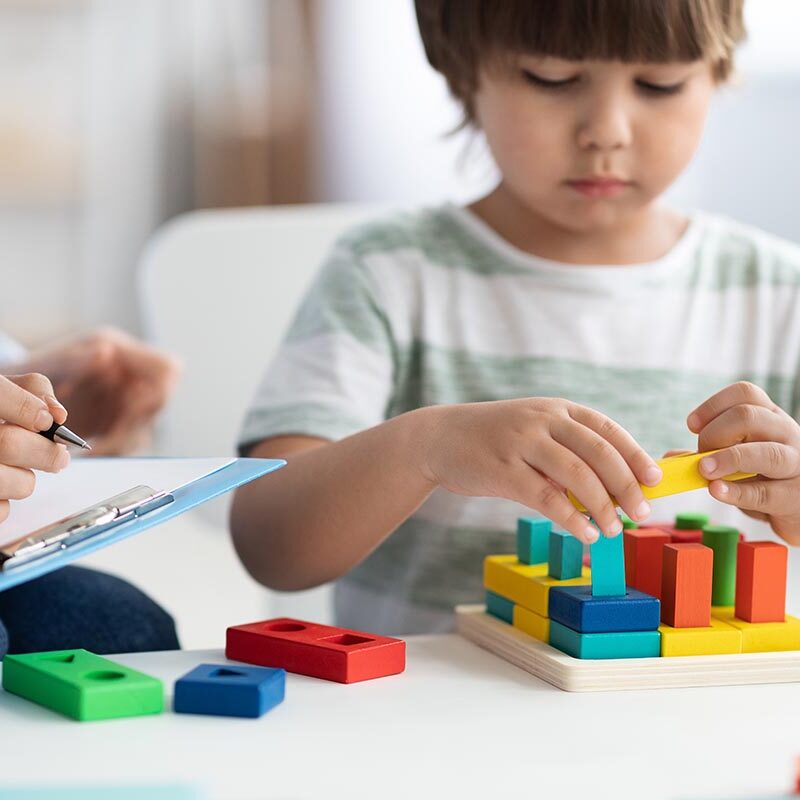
x=217 y=289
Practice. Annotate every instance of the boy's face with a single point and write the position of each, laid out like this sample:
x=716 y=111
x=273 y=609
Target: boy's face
x=587 y=144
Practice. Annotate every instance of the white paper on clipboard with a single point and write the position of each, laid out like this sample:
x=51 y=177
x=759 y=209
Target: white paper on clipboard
x=88 y=481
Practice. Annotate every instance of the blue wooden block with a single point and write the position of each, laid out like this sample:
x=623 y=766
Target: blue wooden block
x=625 y=644
x=577 y=608
x=565 y=559
x=499 y=607
x=608 y=566
x=533 y=539
x=229 y=691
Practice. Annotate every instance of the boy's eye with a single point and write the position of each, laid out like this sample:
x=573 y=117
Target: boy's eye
x=547 y=83
x=657 y=88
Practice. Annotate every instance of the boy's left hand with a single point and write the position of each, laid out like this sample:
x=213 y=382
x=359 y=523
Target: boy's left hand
x=112 y=384
x=753 y=434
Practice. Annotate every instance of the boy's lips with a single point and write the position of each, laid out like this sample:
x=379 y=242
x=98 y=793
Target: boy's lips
x=605 y=186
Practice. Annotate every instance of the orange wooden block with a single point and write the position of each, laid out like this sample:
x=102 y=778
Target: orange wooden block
x=686 y=585
x=644 y=558
x=761 y=581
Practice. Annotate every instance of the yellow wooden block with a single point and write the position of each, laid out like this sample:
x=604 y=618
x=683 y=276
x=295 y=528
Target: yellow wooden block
x=718 y=639
x=681 y=474
x=525 y=584
x=532 y=623
x=762 y=637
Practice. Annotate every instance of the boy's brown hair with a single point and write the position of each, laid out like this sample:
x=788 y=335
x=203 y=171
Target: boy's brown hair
x=461 y=36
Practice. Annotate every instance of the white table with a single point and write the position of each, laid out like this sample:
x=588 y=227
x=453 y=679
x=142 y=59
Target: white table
x=458 y=723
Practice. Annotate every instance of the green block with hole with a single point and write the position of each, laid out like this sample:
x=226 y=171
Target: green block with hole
x=81 y=685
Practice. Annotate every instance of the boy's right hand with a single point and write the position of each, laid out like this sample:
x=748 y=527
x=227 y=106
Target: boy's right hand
x=531 y=450
x=27 y=405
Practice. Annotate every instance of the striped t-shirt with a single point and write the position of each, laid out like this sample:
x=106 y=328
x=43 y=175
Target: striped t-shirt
x=434 y=307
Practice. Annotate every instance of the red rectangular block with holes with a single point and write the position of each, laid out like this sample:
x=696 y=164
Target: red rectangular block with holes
x=761 y=581
x=321 y=651
x=643 y=559
x=686 y=585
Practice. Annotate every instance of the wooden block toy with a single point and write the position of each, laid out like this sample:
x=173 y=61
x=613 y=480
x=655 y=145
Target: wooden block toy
x=499 y=607
x=643 y=558
x=764 y=637
x=227 y=691
x=718 y=639
x=82 y=685
x=532 y=623
x=577 y=608
x=691 y=521
x=628 y=644
x=587 y=675
x=321 y=651
x=680 y=474
x=723 y=541
x=691 y=536
x=761 y=581
x=608 y=566
x=533 y=539
x=686 y=585
x=566 y=556
x=627 y=523
x=526 y=585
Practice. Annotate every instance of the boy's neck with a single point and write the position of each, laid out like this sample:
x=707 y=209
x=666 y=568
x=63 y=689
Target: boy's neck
x=647 y=236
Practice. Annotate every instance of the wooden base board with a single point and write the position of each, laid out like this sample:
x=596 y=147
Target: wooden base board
x=577 y=675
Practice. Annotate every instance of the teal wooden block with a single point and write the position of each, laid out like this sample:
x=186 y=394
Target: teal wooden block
x=565 y=556
x=82 y=685
x=500 y=607
x=533 y=539
x=626 y=644
x=608 y=566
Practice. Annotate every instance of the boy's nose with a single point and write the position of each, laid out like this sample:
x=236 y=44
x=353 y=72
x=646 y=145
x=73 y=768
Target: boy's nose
x=605 y=127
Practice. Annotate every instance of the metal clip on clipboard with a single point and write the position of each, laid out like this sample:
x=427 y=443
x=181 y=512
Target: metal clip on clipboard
x=87 y=523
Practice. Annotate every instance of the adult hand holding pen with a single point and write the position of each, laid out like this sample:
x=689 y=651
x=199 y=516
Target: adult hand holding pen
x=27 y=406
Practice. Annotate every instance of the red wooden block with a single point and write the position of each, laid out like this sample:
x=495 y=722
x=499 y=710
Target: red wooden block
x=761 y=581
x=643 y=559
x=321 y=651
x=686 y=585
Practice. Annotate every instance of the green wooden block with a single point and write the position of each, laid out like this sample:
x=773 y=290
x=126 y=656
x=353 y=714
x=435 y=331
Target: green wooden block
x=625 y=644
x=565 y=559
x=81 y=685
x=723 y=540
x=533 y=539
x=627 y=523
x=608 y=566
x=690 y=521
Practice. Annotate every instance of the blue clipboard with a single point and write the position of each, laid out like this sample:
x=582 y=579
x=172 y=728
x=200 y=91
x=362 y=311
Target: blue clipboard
x=167 y=506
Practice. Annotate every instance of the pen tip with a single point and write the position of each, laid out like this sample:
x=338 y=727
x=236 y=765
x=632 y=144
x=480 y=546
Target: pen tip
x=86 y=446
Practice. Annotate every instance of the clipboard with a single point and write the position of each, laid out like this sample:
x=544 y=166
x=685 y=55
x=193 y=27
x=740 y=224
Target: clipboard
x=115 y=518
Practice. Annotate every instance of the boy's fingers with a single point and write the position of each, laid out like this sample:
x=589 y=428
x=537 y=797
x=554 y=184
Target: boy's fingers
x=768 y=496
x=733 y=395
x=21 y=448
x=534 y=490
x=573 y=473
x=643 y=466
x=22 y=407
x=16 y=483
x=608 y=464
x=742 y=423
x=770 y=459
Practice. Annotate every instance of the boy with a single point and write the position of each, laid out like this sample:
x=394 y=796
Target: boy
x=452 y=368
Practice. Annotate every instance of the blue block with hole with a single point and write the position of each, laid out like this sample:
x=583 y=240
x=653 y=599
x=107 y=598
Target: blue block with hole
x=498 y=606
x=577 y=608
x=533 y=539
x=565 y=559
x=229 y=691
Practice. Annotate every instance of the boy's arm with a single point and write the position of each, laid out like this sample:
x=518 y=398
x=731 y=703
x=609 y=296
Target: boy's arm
x=332 y=504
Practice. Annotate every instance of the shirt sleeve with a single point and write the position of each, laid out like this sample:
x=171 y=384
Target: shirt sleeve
x=11 y=351
x=333 y=373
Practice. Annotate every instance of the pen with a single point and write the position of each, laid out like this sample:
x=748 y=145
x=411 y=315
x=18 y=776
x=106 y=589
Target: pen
x=61 y=434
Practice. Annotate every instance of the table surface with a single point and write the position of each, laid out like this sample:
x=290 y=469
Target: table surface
x=459 y=720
